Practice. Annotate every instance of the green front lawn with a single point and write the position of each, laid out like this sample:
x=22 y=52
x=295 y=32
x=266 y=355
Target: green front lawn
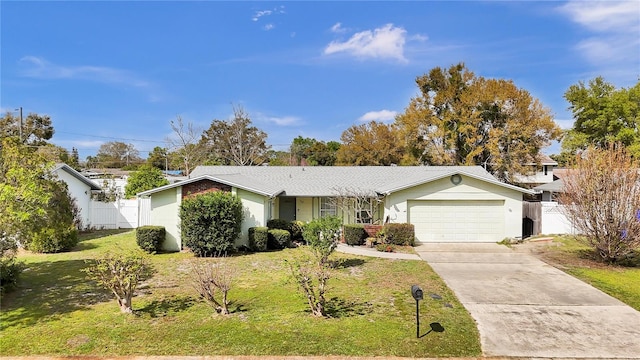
x=55 y=311
x=621 y=282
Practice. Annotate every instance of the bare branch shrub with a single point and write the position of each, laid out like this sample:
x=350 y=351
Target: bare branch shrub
x=364 y=203
x=312 y=273
x=602 y=198
x=121 y=273
x=212 y=279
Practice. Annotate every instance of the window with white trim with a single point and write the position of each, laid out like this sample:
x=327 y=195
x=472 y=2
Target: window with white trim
x=328 y=207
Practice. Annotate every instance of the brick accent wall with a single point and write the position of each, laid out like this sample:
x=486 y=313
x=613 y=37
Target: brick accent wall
x=202 y=187
x=372 y=230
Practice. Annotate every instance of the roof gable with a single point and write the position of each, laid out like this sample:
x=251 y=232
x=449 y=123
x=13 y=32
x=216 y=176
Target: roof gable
x=71 y=171
x=234 y=180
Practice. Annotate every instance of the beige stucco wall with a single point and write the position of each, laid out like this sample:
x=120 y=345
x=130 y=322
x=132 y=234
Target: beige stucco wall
x=256 y=212
x=468 y=189
x=305 y=209
x=165 y=210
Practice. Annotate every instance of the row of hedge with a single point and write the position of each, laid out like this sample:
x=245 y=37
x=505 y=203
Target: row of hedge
x=394 y=234
x=278 y=234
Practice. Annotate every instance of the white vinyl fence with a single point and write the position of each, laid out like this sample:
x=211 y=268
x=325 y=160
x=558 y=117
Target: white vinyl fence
x=120 y=214
x=554 y=221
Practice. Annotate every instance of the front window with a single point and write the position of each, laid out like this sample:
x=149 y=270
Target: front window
x=364 y=211
x=327 y=207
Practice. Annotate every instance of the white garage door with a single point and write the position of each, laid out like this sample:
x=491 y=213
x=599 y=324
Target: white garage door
x=457 y=220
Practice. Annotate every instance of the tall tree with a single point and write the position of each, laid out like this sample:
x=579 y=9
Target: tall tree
x=35 y=206
x=462 y=119
x=236 y=142
x=374 y=143
x=158 y=158
x=184 y=144
x=300 y=149
x=36 y=129
x=323 y=154
x=145 y=178
x=603 y=115
x=116 y=154
x=58 y=154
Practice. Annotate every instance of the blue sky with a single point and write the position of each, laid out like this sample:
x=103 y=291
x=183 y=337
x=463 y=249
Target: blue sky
x=121 y=71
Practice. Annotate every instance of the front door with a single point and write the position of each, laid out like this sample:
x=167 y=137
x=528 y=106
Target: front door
x=287 y=208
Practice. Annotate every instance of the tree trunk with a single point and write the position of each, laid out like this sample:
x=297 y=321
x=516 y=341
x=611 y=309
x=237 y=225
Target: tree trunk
x=125 y=305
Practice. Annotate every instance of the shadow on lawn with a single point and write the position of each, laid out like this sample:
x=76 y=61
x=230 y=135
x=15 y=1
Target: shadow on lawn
x=48 y=289
x=160 y=308
x=338 y=308
x=349 y=262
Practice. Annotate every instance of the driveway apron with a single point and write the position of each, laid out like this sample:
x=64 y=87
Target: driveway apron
x=527 y=308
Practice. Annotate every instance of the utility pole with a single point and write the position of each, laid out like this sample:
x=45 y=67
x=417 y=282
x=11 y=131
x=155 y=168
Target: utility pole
x=20 y=127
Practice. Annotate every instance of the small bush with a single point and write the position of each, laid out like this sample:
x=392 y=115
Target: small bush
x=279 y=239
x=386 y=247
x=53 y=240
x=399 y=234
x=149 y=238
x=354 y=234
x=297 y=227
x=279 y=224
x=258 y=238
x=10 y=269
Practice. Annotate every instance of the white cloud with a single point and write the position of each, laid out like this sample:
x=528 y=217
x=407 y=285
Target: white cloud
x=621 y=16
x=382 y=115
x=268 y=27
x=40 y=68
x=337 y=28
x=615 y=26
x=260 y=13
x=419 y=37
x=386 y=42
x=284 y=120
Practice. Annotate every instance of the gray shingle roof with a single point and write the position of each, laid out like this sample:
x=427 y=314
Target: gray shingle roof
x=323 y=181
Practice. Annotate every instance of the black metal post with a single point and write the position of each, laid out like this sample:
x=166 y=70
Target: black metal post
x=417 y=319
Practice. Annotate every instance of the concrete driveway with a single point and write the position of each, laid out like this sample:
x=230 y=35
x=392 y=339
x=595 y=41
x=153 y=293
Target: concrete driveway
x=526 y=308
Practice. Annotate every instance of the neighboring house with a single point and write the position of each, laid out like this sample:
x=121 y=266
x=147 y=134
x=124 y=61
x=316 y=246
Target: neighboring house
x=445 y=203
x=80 y=189
x=550 y=190
x=542 y=172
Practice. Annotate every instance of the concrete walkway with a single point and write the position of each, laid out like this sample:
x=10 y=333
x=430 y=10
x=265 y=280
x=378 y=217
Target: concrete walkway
x=526 y=308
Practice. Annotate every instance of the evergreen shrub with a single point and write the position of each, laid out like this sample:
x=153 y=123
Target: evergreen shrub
x=150 y=238
x=258 y=238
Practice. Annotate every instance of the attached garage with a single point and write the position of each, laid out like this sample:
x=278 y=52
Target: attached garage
x=458 y=207
x=457 y=220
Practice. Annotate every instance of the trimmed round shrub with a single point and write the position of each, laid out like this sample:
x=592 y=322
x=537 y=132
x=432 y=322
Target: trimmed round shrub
x=399 y=234
x=211 y=222
x=297 y=227
x=279 y=239
x=279 y=224
x=258 y=238
x=150 y=238
x=354 y=234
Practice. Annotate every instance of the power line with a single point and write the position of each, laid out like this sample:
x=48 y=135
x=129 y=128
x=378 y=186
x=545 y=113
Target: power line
x=111 y=137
